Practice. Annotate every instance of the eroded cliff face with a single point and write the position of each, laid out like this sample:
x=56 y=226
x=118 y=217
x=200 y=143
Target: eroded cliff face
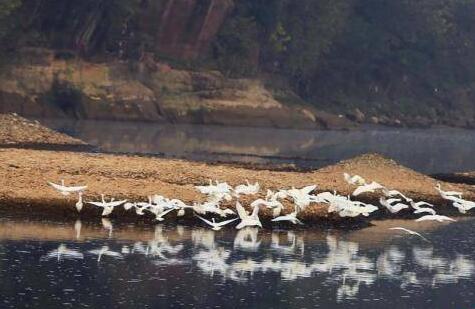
x=42 y=86
x=185 y=28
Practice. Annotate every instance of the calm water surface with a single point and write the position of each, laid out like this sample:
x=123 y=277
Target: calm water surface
x=47 y=264
x=427 y=150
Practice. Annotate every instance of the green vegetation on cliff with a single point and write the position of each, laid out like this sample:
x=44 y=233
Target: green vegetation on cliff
x=405 y=58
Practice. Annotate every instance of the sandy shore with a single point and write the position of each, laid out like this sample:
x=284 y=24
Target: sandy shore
x=24 y=173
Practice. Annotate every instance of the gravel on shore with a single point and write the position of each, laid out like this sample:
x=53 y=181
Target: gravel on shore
x=16 y=130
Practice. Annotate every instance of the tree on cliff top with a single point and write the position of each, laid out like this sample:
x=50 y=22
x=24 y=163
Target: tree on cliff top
x=7 y=23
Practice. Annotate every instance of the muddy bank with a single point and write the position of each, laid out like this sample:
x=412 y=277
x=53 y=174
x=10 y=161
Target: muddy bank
x=82 y=230
x=23 y=176
x=462 y=178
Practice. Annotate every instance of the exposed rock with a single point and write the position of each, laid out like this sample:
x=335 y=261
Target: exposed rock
x=357 y=115
x=149 y=92
x=374 y=120
x=186 y=28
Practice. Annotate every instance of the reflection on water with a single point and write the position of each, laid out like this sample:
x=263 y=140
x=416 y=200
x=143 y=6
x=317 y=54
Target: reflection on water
x=450 y=149
x=84 y=264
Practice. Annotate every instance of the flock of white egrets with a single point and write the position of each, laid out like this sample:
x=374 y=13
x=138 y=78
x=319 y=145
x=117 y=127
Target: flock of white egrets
x=217 y=192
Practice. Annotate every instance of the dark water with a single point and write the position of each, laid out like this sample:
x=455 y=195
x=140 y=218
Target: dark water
x=426 y=150
x=46 y=264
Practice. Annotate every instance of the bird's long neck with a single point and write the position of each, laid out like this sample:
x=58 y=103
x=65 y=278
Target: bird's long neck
x=62 y=182
x=102 y=197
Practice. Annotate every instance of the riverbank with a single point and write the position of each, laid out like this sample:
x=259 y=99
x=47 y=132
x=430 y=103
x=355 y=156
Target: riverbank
x=24 y=173
x=41 y=83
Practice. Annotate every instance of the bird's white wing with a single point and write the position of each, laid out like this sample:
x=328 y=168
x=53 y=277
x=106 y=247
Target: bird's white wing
x=56 y=186
x=258 y=202
x=403 y=229
x=223 y=223
x=393 y=200
x=98 y=204
x=75 y=189
x=116 y=203
x=165 y=212
x=361 y=189
x=435 y=217
x=308 y=189
x=423 y=203
x=206 y=221
x=241 y=211
x=113 y=254
x=347 y=178
x=107 y=211
x=280 y=218
x=255 y=211
x=425 y=210
x=408 y=231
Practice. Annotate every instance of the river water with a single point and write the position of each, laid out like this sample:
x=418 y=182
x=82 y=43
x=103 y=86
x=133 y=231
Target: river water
x=102 y=263
x=426 y=150
x=94 y=264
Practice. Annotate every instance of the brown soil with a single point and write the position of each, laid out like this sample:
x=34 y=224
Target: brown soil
x=23 y=176
x=16 y=130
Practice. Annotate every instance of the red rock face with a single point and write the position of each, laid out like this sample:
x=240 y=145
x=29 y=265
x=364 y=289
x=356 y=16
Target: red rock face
x=187 y=27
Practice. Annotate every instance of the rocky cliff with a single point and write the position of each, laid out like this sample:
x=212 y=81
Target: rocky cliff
x=186 y=27
x=41 y=85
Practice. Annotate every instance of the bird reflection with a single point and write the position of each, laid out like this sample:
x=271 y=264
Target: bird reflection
x=246 y=239
x=296 y=243
x=63 y=253
x=107 y=224
x=337 y=262
x=104 y=250
x=203 y=237
x=77 y=228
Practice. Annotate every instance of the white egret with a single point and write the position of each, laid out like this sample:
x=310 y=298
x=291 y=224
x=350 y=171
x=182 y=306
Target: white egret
x=408 y=231
x=246 y=218
x=292 y=217
x=159 y=216
x=275 y=205
x=216 y=226
x=66 y=190
x=419 y=209
x=438 y=218
x=390 y=193
x=108 y=207
x=463 y=206
x=426 y=210
x=79 y=203
x=302 y=197
x=370 y=188
x=247 y=189
x=447 y=193
x=355 y=180
x=392 y=208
